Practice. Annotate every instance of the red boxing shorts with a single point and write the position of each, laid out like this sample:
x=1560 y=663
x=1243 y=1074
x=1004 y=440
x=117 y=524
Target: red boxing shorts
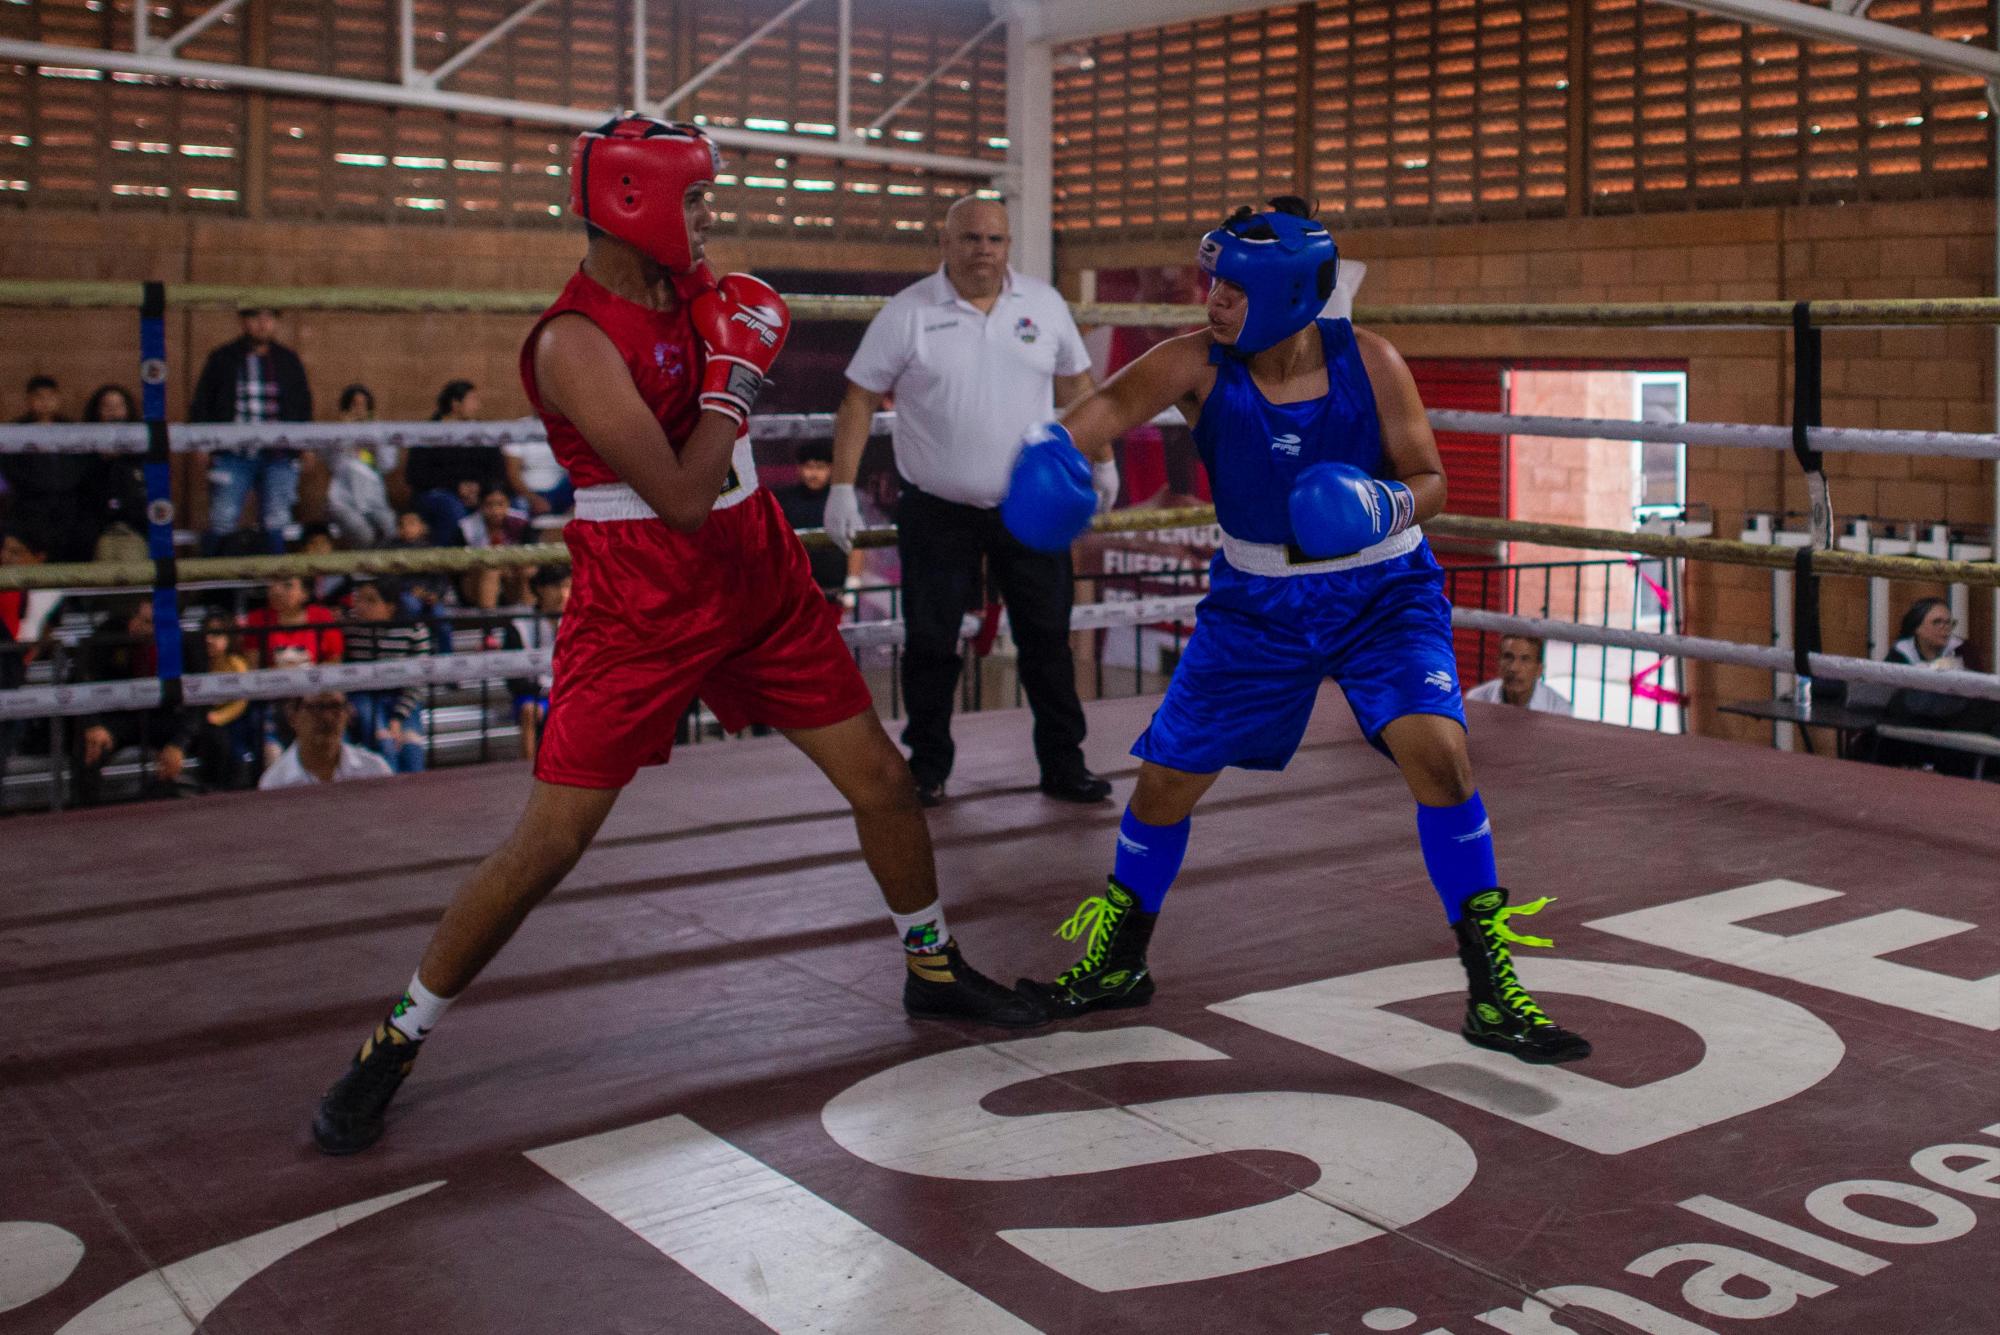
x=728 y=613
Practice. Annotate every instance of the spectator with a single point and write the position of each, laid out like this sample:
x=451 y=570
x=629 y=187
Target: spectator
x=804 y=504
x=496 y=524
x=534 y=475
x=1928 y=638
x=317 y=540
x=389 y=722
x=43 y=401
x=290 y=630
x=1520 y=680
x=975 y=354
x=253 y=379
x=27 y=620
x=48 y=489
x=318 y=753
x=537 y=631
x=357 y=501
x=423 y=595
x=225 y=742
x=445 y=482
x=121 y=648
x=115 y=489
x=357 y=403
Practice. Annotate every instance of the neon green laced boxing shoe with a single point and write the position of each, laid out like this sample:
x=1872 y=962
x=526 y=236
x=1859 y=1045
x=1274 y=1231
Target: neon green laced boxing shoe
x=1112 y=973
x=1499 y=1014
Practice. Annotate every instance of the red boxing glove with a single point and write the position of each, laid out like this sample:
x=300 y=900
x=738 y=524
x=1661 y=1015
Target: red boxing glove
x=743 y=324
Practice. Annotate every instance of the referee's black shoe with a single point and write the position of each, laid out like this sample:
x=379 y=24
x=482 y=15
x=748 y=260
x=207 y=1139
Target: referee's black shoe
x=350 y=1114
x=940 y=985
x=1077 y=785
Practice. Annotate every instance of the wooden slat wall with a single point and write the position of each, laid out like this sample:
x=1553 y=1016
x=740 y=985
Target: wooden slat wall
x=1463 y=110
x=84 y=139
x=1686 y=110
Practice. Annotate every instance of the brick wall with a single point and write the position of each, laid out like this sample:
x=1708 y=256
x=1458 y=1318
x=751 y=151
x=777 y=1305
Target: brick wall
x=1927 y=379
x=404 y=358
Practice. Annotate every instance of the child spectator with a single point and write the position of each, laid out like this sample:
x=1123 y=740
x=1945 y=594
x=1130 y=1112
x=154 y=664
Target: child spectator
x=388 y=721
x=290 y=630
x=317 y=753
x=225 y=742
x=537 y=631
x=495 y=524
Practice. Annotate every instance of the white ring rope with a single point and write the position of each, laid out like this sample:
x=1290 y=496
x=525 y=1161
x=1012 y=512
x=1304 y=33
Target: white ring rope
x=185 y=437
x=279 y=683
x=182 y=437
x=1834 y=667
x=1829 y=439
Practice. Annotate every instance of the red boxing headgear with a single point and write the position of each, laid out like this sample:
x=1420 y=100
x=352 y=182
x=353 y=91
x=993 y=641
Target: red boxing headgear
x=628 y=177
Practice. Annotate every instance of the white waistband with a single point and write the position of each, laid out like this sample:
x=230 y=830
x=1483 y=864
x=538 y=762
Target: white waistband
x=1271 y=558
x=614 y=501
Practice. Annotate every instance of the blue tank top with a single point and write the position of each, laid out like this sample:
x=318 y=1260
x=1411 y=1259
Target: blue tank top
x=1254 y=448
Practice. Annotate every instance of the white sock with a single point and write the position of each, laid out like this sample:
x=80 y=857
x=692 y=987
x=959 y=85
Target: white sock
x=419 y=1010
x=923 y=932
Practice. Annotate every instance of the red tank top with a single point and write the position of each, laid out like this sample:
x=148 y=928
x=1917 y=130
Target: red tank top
x=661 y=352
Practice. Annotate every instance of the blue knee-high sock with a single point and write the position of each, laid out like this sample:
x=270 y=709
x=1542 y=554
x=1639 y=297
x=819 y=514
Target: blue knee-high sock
x=1458 y=851
x=1149 y=857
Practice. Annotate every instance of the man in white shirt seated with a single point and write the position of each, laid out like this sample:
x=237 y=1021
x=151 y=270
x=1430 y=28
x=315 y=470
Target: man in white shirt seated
x=319 y=752
x=1520 y=679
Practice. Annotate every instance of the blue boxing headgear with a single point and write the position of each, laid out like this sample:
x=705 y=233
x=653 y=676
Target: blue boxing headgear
x=1285 y=265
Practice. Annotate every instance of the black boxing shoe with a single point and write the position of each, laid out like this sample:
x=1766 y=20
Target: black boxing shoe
x=940 y=985
x=1499 y=1013
x=1112 y=975
x=351 y=1113
x=930 y=792
x=1078 y=785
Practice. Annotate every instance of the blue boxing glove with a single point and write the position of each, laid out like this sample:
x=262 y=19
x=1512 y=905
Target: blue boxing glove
x=1049 y=498
x=1337 y=510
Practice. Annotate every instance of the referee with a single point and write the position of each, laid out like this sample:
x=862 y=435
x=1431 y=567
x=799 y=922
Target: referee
x=975 y=355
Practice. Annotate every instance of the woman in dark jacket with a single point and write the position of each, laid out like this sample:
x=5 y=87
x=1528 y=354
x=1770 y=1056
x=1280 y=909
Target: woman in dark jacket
x=1927 y=638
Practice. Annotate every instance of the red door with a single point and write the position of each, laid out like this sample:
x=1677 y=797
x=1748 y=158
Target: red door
x=1475 y=472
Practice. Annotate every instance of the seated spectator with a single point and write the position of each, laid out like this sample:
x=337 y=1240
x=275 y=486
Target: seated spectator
x=121 y=648
x=1520 y=680
x=389 y=722
x=291 y=630
x=1928 y=638
x=423 y=595
x=445 y=482
x=317 y=540
x=541 y=483
x=47 y=489
x=318 y=753
x=496 y=524
x=114 y=487
x=804 y=504
x=27 y=628
x=537 y=631
x=225 y=741
x=357 y=501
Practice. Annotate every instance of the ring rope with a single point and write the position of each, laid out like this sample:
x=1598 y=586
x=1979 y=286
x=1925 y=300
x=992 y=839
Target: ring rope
x=184 y=437
x=455 y=560
x=1886 y=312
x=1830 y=439
x=433 y=560
x=443 y=669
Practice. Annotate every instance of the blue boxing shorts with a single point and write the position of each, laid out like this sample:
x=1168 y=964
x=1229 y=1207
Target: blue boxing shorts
x=1245 y=686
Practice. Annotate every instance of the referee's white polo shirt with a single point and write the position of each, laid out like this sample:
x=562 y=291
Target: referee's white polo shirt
x=968 y=384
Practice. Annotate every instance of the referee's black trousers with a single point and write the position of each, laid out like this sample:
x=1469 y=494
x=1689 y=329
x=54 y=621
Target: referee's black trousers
x=941 y=544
